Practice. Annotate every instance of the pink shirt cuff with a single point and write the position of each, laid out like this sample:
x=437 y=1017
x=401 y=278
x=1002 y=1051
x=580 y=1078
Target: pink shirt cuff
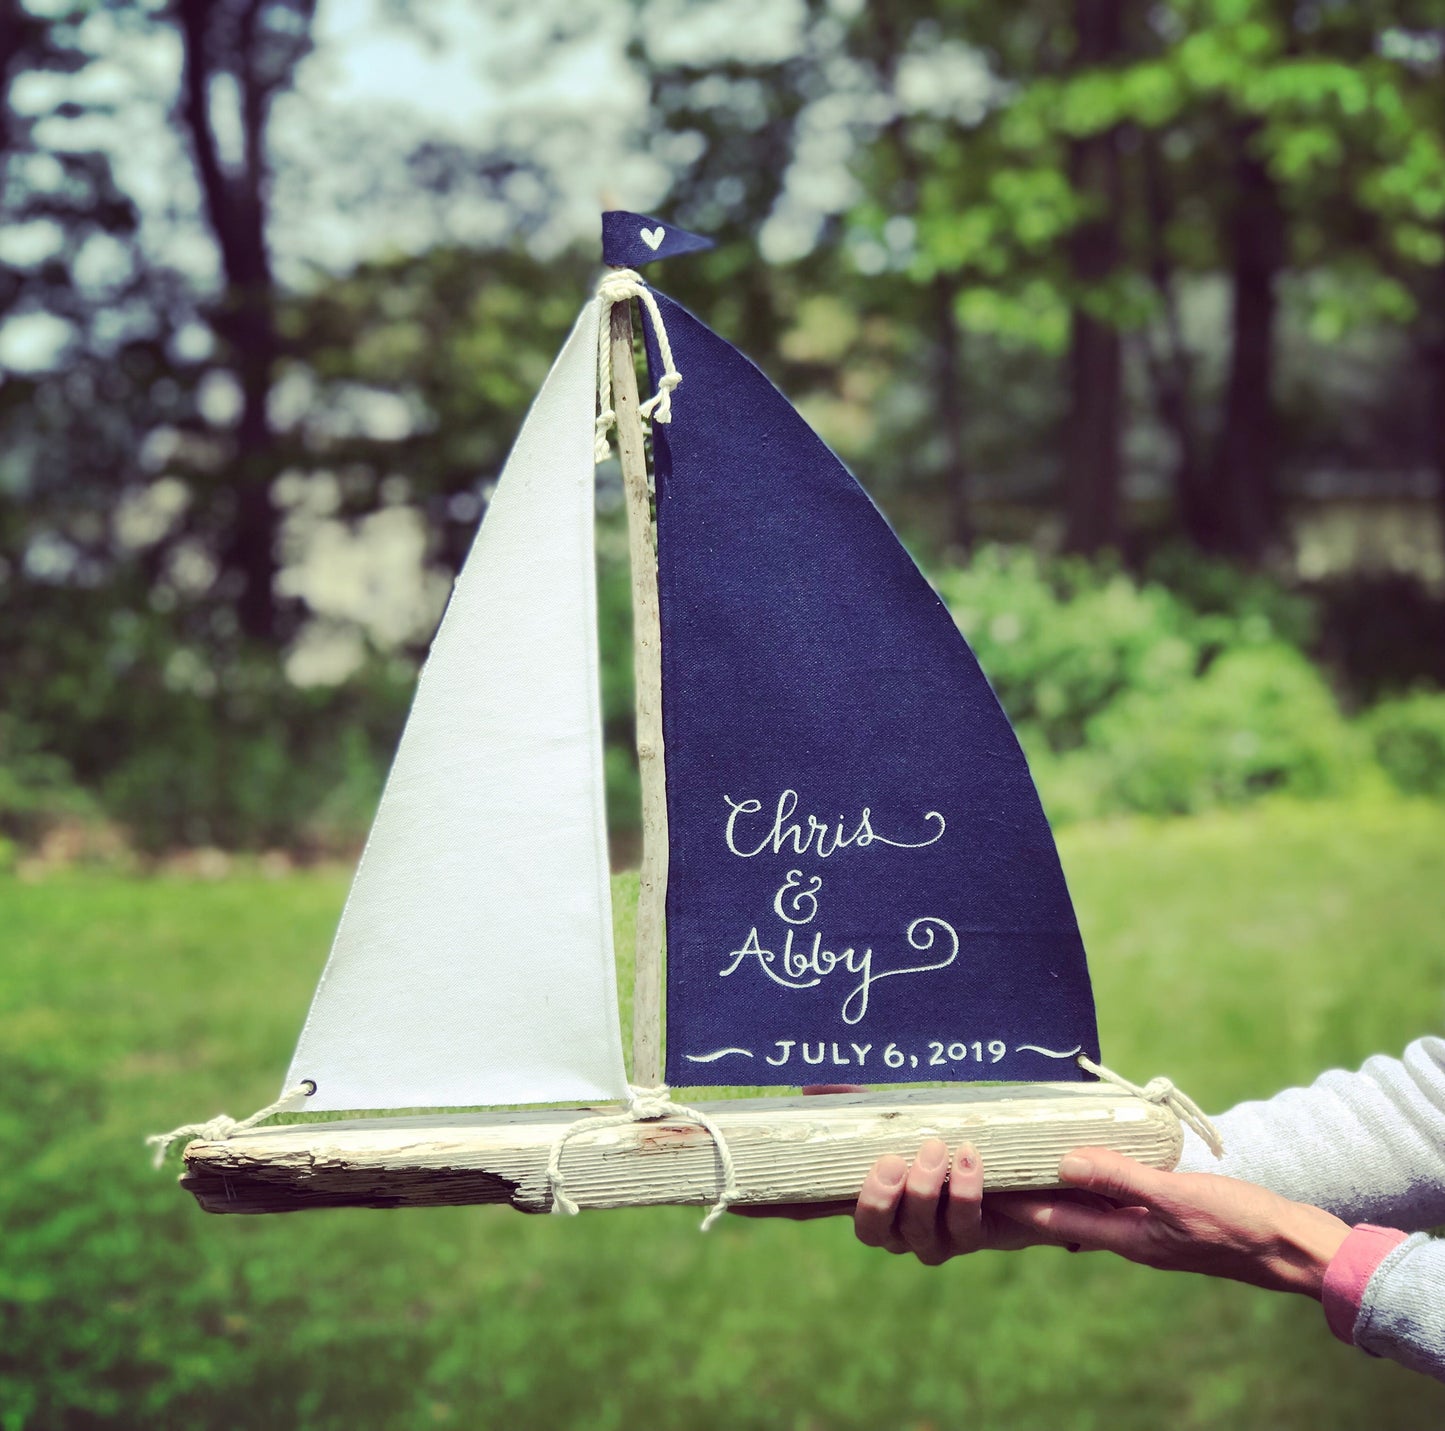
x=1349 y=1273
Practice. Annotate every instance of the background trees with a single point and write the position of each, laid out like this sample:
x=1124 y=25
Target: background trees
x=1149 y=283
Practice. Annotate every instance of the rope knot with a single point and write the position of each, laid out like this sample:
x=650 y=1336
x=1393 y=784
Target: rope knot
x=645 y=1105
x=223 y=1126
x=659 y=406
x=620 y=285
x=1162 y=1091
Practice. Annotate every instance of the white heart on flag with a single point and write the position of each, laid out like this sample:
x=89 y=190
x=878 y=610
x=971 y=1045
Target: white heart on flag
x=653 y=237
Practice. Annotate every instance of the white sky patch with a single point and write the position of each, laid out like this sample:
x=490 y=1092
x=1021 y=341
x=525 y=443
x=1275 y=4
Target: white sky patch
x=363 y=58
x=33 y=342
x=29 y=244
x=951 y=80
x=372 y=573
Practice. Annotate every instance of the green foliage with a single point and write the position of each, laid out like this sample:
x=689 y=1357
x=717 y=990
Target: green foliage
x=1178 y=691
x=1239 y=953
x=181 y=751
x=1132 y=696
x=1061 y=641
x=261 y=763
x=1409 y=741
x=36 y=786
x=1259 y=720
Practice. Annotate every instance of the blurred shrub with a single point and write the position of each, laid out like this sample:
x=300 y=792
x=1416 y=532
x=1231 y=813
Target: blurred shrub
x=1061 y=641
x=1408 y=736
x=1259 y=720
x=1129 y=695
x=180 y=747
x=36 y=786
x=1212 y=587
x=258 y=762
x=1188 y=688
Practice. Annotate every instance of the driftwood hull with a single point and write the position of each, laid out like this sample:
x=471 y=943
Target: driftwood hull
x=786 y=1150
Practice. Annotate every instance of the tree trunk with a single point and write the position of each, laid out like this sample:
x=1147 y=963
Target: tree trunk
x=235 y=208
x=1092 y=455
x=14 y=25
x=1171 y=364
x=950 y=413
x=1436 y=358
x=1243 y=517
x=890 y=45
x=1433 y=352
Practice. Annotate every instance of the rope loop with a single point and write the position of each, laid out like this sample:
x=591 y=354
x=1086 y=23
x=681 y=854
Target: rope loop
x=620 y=285
x=1162 y=1091
x=645 y=1105
x=222 y=1126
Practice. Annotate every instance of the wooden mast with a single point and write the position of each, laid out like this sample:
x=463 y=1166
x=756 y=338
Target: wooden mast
x=647 y=678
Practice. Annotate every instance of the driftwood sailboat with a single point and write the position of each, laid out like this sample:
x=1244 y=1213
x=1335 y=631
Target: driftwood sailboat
x=841 y=837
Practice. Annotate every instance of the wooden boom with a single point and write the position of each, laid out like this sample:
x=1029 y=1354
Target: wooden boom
x=786 y=1150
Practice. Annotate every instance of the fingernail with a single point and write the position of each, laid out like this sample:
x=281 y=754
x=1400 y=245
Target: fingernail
x=1074 y=1168
x=932 y=1155
x=967 y=1157
x=890 y=1171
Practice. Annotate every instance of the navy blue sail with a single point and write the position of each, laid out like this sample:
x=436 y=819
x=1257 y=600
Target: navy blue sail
x=863 y=886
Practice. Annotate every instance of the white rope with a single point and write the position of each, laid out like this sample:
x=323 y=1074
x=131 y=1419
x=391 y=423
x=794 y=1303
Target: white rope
x=221 y=1127
x=619 y=286
x=643 y=1106
x=1163 y=1092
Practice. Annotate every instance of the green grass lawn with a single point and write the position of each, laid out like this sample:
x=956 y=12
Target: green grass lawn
x=1237 y=953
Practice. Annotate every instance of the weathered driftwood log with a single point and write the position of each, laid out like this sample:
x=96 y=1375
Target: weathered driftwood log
x=813 y=1149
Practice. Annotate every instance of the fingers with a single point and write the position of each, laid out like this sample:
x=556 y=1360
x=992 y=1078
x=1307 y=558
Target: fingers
x=1118 y=1178
x=903 y=1207
x=918 y=1217
x=963 y=1212
x=878 y=1200
x=1077 y=1225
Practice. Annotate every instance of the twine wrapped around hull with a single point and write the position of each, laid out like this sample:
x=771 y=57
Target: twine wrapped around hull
x=644 y=1106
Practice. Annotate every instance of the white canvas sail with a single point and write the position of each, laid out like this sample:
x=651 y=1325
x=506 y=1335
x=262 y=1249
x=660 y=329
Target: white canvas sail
x=473 y=963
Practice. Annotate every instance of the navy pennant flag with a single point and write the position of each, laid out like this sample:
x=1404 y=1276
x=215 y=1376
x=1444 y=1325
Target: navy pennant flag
x=863 y=886
x=630 y=240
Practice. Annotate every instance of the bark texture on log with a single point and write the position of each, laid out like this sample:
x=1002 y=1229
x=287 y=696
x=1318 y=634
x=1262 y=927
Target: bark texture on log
x=786 y=1150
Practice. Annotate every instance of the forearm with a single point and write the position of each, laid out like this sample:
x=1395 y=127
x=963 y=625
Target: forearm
x=1366 y=1146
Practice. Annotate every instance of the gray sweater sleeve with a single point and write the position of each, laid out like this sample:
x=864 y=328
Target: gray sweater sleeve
x=1369 y=1147
x=1402 y=1314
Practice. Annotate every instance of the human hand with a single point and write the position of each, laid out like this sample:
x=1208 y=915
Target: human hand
x=1185 y=1222
x=929 y=1207
x=935 y=1207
